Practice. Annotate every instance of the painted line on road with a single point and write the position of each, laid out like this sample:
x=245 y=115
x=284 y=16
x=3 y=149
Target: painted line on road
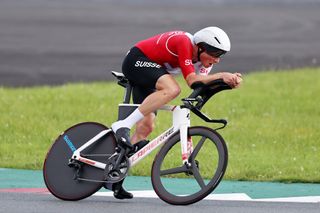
x=152 y=194
x=307 y=199
x=225 y=197
x=25 y=190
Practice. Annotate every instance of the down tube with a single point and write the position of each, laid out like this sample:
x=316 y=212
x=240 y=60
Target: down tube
x=134 y=159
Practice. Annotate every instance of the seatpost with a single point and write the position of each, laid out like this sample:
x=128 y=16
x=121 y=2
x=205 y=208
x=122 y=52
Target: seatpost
x=127 y=95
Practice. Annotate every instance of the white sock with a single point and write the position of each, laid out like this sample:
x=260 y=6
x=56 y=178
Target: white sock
x=131 y=120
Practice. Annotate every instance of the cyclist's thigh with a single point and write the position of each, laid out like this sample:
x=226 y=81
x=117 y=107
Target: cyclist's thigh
x=140 y=70
x=140 y=93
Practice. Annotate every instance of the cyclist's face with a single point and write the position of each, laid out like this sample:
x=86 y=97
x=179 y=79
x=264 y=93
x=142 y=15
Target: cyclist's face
x=208 y=60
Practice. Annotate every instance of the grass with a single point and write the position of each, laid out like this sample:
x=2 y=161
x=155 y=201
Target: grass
x=273 y=132
x=276 y=120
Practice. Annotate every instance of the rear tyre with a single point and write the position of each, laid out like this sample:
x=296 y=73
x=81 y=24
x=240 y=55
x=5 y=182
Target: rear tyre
x=59 y=177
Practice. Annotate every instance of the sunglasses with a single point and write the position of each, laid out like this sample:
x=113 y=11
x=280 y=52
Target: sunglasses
x=216 y=54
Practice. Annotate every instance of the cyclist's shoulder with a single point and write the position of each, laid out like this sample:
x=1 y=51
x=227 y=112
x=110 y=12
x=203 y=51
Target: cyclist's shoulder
x=179 y=35
x=176 y=36
x=180 y=38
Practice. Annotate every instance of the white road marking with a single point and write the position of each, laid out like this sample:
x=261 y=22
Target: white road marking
x=306 y=199
x=230 y=197
x=152 y=194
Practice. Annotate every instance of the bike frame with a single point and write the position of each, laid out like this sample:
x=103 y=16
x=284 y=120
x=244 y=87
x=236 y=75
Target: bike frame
x=181 y=121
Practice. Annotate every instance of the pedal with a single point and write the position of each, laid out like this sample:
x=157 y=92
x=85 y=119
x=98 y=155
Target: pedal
x=138 y=146
x=123 y=142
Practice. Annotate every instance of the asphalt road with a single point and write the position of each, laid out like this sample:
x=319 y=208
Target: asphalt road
x=54 y=42
x=44 y=203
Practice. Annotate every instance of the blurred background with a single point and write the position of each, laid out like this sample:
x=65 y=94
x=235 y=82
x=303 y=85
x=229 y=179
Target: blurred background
x=50 y=42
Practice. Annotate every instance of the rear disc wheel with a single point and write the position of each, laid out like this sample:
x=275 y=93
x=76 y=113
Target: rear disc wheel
x=61 y=178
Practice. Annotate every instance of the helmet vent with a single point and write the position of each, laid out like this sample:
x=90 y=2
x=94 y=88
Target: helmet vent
x=217 y=40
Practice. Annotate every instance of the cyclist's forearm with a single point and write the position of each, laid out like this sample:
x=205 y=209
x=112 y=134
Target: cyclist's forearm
x=192 y=78
x=233 y=80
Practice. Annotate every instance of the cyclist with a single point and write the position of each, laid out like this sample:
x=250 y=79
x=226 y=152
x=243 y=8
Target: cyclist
x=149 y=66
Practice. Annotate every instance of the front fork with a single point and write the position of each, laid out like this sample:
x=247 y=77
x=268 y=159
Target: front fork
x=186 y=143
x=181 y=119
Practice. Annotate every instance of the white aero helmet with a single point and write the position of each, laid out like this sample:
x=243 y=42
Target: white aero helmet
x=213 y=41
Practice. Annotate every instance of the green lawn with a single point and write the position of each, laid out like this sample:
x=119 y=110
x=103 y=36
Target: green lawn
x=273 y=132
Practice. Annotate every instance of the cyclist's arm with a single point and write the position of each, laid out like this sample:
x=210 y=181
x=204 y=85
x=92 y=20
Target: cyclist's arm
x=232 y=79
x=184 y=52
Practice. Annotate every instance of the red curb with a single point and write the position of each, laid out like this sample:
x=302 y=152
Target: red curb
x=26 y=190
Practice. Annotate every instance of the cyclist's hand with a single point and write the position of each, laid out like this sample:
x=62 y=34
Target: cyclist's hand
x=238 y=80
x=232 y=79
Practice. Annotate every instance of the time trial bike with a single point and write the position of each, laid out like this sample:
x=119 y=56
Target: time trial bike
x=87 y=156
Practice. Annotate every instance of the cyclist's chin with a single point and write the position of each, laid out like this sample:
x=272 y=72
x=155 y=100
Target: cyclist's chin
x=208 y=65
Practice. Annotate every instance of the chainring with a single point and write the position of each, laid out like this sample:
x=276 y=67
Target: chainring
x=113 y=174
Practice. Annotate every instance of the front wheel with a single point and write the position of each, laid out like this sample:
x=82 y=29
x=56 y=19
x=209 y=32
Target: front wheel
x=201 y=175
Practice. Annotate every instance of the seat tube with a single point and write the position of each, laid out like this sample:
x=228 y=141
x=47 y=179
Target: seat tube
x=181 y=120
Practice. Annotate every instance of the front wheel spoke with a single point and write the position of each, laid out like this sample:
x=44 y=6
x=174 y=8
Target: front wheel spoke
x=198 y=177
x=176 y=170
x=197 y=148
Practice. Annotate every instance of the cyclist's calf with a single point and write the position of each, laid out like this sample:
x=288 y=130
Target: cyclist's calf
x=144 y=128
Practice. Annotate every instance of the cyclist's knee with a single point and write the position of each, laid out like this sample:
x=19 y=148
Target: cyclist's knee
x=175 y=91
x=171 y=92
x=169 y=86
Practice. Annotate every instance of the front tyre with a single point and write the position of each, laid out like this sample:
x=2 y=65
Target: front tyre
x=203 y=172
